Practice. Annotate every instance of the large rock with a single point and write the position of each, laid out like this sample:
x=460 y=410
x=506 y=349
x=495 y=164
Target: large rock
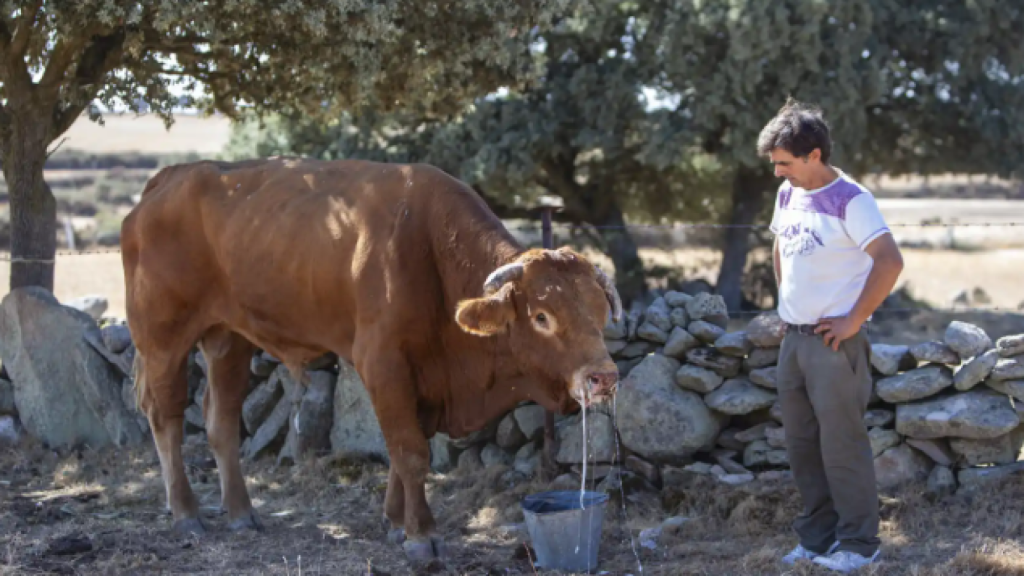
x=734 y=344
x=975 y=371
x=657 y=419
x=679 y=343
x=355 y=429
x=679 y=317
x=1013 y=388
x=272 y=432
x=727 y=366
x=706 y=332
x=900 y=465
x=1005 y=449
x=442 y=453
x=677 y=299
x=915 y=384
x=697 y=379
x=615 y=330
x=765 y=377
x=978 y=477
x=1011 y=345
x=93 y=305
x=116 y=337
x=709 y=307
x=882 y=439
x=888 y=358
x=7 y=398
x=658 y=313
x=739 y=396
x=652 y=333
x=878 y=417
x=937 y=352
x=10 y=432
x=941 y=481
x=509 y=436
x=600 y=435
x=967 y=340
x=530 y=418
x=766 y=330
x=761 y=358
x=937 y=449
x=311 y=419
x=261 y=402
x=756 y=453
x=67 y=392
x=975 y=414
x=1008 y=369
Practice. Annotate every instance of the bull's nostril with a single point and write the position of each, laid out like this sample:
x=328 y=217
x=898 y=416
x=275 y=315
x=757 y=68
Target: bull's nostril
x=593 y=381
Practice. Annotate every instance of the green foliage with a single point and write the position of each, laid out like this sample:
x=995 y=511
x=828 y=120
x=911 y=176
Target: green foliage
x=274 y=54
x=925 y=87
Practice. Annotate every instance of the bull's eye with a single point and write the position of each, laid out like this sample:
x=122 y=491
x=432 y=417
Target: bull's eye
x=544 y=323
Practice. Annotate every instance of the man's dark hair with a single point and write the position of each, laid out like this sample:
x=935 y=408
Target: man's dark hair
x=797 y=128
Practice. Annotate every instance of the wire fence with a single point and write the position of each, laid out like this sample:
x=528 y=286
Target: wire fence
x=559 y=229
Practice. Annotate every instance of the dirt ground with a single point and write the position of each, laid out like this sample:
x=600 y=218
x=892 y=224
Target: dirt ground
x=103 y=513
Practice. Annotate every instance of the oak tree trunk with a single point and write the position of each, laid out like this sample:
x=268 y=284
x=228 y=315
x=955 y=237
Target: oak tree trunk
x=33 y=208
x=750 y=191
x=630 y=279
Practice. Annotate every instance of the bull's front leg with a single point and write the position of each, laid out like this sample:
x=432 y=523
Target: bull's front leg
x=389 y=382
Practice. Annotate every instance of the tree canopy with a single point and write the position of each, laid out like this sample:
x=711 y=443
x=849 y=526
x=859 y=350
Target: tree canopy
x=59 y=58
x=923 y=88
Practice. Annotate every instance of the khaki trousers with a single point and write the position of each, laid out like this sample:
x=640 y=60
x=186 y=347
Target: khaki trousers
x=823 y=395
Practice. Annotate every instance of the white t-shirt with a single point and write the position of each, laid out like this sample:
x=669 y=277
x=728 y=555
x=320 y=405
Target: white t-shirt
x=822 y=234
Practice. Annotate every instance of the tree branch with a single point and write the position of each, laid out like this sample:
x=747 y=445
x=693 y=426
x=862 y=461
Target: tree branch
x=22 y=34
x=60 y=59
x=101 y=56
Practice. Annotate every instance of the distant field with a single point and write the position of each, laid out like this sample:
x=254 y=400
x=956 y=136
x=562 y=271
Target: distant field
x=147 y=134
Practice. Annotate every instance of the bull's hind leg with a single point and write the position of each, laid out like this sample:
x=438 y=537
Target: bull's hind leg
x=163 y=395
x=228 y=356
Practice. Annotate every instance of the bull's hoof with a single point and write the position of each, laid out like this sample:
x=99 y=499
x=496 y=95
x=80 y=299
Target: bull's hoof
x=396 y=536
x=190 y=527
x=247 y=521
x=425 y=549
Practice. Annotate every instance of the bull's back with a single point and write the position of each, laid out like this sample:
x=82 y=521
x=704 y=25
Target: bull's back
x=294 y=254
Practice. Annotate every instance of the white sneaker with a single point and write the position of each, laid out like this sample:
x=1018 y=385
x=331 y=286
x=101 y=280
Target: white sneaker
x=801 y=553
x=845 y=561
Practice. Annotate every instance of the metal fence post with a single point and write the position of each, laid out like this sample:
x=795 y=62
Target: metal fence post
x=547 y=205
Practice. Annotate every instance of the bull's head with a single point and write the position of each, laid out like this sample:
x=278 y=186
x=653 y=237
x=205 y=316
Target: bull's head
x=553 y=306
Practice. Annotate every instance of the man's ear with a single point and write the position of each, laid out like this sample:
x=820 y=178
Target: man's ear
x=489 y=315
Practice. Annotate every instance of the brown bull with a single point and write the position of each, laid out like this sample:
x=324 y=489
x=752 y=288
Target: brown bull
x=401 y=270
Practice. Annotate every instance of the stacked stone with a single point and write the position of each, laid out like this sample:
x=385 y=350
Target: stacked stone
x=694 y=398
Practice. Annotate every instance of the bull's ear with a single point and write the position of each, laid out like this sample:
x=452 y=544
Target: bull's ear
x=489 y=315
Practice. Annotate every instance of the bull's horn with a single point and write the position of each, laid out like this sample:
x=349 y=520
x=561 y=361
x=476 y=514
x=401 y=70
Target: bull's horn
x=501 y=276
x=611 y=292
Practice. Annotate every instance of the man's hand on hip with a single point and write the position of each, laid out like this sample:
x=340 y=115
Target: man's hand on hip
x=835 y=330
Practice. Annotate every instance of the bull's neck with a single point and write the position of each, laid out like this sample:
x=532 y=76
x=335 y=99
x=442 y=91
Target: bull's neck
x=470 y=242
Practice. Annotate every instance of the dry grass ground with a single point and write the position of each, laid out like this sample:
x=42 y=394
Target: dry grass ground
x=103 y=513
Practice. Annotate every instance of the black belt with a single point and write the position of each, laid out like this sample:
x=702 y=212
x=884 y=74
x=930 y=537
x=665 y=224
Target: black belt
x=806 y=329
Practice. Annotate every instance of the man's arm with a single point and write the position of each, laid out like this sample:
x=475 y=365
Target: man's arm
x=775 y=262
x=885 y=270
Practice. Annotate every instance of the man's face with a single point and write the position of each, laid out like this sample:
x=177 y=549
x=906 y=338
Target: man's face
x=795 y=170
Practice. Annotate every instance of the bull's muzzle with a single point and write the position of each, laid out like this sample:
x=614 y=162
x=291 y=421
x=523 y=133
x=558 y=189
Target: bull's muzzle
x=596 y=386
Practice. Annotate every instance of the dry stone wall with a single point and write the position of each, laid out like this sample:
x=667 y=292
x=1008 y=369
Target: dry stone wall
x=694 y=399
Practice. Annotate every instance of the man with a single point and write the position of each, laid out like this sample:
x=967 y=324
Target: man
x=835 y=262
